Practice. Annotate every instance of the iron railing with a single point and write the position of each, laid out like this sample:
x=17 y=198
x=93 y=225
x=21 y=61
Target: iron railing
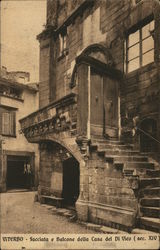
x=144 y=132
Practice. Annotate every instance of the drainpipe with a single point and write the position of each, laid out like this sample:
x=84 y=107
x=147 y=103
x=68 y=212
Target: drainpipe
x=119 y=118
x=89 y=105
x=89 y=110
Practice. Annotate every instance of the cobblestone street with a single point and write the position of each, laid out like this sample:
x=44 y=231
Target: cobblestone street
x=20 y=214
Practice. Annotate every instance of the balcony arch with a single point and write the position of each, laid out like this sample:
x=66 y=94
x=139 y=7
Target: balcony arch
x=59 y=171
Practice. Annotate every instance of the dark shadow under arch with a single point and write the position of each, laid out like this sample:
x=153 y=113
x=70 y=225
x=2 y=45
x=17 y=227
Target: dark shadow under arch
x=71 y=174
x=66 y=167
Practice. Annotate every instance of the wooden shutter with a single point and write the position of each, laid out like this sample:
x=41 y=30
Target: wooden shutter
x=0 y=122
x=12 y=123
x=8 y=123
x=5 y=123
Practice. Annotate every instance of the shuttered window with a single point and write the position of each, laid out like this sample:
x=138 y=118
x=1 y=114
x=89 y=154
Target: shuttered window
x=8 y=123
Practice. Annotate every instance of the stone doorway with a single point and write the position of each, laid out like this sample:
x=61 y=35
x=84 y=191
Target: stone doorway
x=104 y=105
x=71 y=175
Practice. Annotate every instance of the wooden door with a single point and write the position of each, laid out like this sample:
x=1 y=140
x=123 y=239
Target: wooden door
x=97 y=110
x=110 y=99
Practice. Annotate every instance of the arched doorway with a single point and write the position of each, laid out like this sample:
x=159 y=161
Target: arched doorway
x=104 y=104
x=70 y=190
x=98 y=88
x=59 y=173
x=148 y=133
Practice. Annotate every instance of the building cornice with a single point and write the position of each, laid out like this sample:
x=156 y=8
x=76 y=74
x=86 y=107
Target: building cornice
x=16 y=85
x=50 y=30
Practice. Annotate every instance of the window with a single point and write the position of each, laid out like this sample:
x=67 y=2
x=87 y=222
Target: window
x=10 y=92
x=140 y=47
x=8 y=123
x=62 y=43
x=136 y=2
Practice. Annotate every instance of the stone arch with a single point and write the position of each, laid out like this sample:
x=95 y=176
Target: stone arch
x=59 y=172
x=70 y=145
x=100 y=52
x=97 y=51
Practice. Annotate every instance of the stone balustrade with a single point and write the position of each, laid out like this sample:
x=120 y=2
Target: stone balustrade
x=57 y=117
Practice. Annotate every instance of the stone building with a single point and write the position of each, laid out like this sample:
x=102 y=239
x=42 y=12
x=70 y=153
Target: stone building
x=99 y=118
x=16 y=101
x=17 y=76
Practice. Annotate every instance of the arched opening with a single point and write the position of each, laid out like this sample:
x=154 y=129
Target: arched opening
x=98 y=88
x=148 y=135
x=70 y=190
x=59 y=173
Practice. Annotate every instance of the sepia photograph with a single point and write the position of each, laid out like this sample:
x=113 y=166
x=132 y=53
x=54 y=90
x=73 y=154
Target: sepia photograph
x=79 y=124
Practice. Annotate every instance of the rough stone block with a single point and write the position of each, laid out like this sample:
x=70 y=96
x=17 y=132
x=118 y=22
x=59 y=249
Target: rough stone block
x=82 y=210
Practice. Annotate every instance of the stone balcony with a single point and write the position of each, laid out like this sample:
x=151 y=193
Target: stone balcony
x=59 y=116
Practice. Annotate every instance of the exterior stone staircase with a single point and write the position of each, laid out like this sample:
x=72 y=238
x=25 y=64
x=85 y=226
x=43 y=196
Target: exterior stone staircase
x=134 y=163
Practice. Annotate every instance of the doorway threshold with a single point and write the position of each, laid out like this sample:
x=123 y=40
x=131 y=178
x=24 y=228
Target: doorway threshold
x=18 y=190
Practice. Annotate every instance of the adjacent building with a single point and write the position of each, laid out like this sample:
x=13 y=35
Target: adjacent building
x=19 y=159
x=98 y=121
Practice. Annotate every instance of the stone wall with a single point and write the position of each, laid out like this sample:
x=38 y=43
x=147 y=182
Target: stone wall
x=104 y=191
x=98 y=24
x=107 y=197
x=50 y=169
x=58 y=11
x=44 y=73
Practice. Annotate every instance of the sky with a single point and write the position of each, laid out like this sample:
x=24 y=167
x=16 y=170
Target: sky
x=21 y=22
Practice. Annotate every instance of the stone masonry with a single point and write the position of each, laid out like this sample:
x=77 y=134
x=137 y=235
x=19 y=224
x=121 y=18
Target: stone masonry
x=98 y=110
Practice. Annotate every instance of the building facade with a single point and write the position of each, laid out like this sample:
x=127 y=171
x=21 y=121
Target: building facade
x=99 y=118
x=19 y=158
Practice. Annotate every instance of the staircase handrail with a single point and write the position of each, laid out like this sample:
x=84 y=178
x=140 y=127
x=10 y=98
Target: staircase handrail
x=148 y=134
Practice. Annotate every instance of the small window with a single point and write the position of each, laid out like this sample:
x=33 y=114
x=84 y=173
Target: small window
x=135 y=2
x=8 y=123
x=62 y=44
x=139 y=47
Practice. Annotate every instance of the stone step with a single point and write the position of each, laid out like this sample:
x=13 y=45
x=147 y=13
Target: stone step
x=137 y=165
x=150 y=192
x=92 y=226
x=131 y=158
x=148 y=223
x=114 y=147
x=69 y=214
x=150 y=211
x=125 y=158
x=105 y=141
x=102 y=229
x=141 y=231
x=149 y=182
x=62 y=211
x=150 y=202
x=153 y=173
x=119 y=152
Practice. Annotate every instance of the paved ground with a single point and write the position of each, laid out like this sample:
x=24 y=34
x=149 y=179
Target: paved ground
x=20 y=214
